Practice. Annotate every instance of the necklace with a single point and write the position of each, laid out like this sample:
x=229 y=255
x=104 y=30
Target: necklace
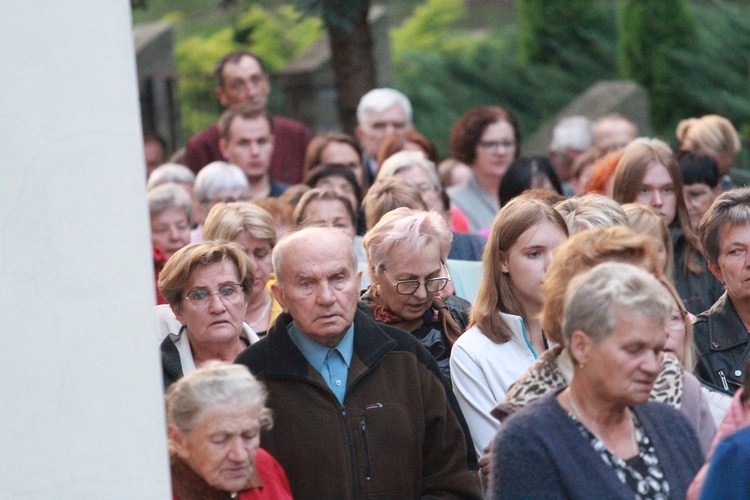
x=579 y=415
x=266 y=308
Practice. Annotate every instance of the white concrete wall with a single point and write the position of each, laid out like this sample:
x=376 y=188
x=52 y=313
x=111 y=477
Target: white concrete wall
x=81 y=412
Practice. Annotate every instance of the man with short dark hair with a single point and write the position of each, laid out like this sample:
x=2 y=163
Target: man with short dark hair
x=247 y=141
x=359 y=408
x=242 y=77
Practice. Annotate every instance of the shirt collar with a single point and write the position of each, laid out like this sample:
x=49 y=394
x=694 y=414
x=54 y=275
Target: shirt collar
x=315 y=352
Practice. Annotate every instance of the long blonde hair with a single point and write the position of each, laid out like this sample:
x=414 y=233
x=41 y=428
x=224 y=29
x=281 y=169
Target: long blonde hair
x=496 y=293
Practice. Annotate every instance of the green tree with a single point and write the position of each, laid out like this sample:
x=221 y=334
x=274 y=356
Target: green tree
x=548 y=27
x=649 y=34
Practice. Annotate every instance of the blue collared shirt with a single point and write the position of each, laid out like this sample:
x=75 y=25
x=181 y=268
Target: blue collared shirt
x=325 y=362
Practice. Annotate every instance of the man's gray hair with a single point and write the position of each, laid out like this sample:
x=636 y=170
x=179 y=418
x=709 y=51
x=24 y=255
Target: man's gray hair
x=214 y=383
x=379 y=100
x=218 y=176
x=571 y=132
x=170 y=172
x=169 y=195
x=597 y=299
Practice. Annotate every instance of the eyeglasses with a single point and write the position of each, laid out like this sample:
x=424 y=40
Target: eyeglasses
x=230 y=294
x=408 y=287
x=383 y=125
x=494 y=145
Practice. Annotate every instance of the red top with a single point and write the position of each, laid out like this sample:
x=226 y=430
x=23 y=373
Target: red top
x=287 y=162
x=275 y=483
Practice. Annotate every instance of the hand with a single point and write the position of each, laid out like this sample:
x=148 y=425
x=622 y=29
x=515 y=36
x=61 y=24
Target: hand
x=485 y=461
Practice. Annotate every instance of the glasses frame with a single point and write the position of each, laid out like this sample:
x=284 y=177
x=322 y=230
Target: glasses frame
x=398 y=284
x=200 y=304
x=497 y=145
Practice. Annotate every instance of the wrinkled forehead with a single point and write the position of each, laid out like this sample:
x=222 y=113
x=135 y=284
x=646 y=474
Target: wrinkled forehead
x=736 y=227
x=318 y=247
x=245 y=66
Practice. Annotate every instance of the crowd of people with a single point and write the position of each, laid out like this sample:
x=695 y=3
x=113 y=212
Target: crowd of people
x=345 y=317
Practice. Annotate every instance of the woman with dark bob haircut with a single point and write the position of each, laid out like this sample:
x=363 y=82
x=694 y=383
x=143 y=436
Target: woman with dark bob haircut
x=528 y=173
x=487 y=139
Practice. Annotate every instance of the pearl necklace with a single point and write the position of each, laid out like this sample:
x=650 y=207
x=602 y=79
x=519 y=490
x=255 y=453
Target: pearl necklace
x=266 y=308
x=578 y=414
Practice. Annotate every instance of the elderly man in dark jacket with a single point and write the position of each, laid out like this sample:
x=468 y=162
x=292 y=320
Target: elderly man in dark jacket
x=357 y=411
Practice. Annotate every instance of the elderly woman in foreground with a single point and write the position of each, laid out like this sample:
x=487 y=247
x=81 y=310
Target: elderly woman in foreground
x=406 y=253
x=215 y=416
x=207 y=286
x=614 y=319
x=554 y=369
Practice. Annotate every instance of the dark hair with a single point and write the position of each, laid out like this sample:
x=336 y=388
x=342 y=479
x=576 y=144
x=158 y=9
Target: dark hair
x=234 y=57
x=524 y=174
x=320 y=172
x=467 y=131
x=320 y=142
x=698 y=169
x=246 y=110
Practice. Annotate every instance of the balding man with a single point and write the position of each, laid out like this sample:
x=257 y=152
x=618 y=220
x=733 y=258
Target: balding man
x=357 y=411
x=241 y=77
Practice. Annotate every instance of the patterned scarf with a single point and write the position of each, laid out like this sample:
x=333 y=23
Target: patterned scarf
x=437 y=313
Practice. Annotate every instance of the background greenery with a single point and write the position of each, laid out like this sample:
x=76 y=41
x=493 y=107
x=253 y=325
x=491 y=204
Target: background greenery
x=530 y=56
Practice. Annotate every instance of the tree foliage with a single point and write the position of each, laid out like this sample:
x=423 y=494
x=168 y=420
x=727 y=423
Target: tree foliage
x=465 y=69
x=649 y=33
x=548 y=27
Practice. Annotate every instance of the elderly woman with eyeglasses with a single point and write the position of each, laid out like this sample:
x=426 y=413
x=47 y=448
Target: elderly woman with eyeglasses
x=207 y=286
x=406 y=252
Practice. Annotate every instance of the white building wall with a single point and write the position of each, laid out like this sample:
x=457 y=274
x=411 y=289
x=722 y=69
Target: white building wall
x=81 y=407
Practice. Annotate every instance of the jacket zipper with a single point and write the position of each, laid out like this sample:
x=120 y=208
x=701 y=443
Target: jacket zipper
x=723 y=380
x=349 y=442
x=363 y=429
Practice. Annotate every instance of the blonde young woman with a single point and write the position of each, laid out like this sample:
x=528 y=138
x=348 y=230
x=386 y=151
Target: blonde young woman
x=254 y=230
x=505 y=336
